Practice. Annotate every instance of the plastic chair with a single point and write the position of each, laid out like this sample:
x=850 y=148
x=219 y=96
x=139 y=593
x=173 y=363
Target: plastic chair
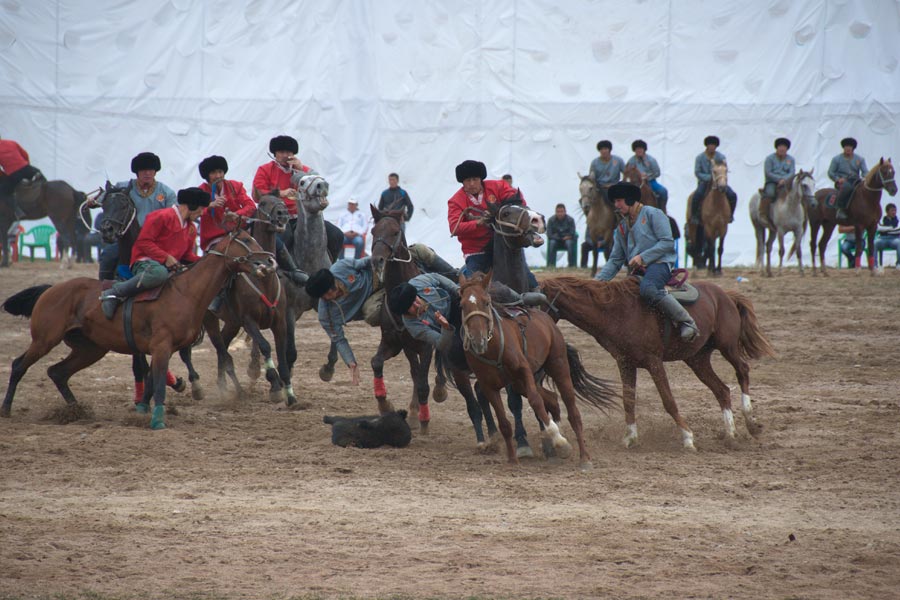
x=850 y=264
x=353 y=248
x=40 y=234
x=13 y=239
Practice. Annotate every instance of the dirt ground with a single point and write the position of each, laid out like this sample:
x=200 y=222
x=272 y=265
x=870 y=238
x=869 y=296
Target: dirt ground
x=249 y=500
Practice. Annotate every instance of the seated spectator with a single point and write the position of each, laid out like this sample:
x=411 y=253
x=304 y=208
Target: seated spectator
x=560 y=235
x=354 y=224
x=589 y=248
x=889 y=232
x=848 y=244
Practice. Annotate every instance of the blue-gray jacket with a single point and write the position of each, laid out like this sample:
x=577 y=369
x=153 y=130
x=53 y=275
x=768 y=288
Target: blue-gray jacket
x=852 y=168
x=162 y=196
x=650 y=236
x=647 y=166
x=607 y=173
x=356 y=276
x=436 y=290
x=777 y=169
x=703 y=166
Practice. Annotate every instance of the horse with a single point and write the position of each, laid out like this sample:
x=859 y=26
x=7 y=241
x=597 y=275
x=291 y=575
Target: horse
x=601 y=218
x=508 y=351
x=257 y=305
x=864 y=213
x=639 y=338
x=786 y=215
x=70 y=312
x=54 y=199
x=633 y=175
x=715 y=213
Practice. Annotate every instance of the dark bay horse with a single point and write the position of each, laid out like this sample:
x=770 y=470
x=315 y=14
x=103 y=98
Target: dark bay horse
x=864 y=212
x=632 y=174
x=70 y=312
x=508 y=351
x=54 y=199
x=639 y=338
x=715 y=214
x=601 y=218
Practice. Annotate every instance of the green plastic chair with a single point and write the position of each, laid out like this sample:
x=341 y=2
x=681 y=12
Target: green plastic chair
x=40 y=234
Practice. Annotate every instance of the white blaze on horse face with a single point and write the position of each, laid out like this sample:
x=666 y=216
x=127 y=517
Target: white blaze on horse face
x=537 y=221
x=728 y=417
x=472 y=299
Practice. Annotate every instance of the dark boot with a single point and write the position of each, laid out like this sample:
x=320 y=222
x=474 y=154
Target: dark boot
x=218 y=301
x=695 y=210
x=111 y=298
x=289 y=267
x=671 y=308
x=534 y=299
x=764 y=204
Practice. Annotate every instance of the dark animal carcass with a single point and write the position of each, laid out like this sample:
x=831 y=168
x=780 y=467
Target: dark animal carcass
x=370 y=432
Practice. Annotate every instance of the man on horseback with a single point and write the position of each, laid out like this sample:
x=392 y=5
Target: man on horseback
x=606 y=169
x=649 y=168
x=16 y=167
x=846 y=171
x=643 y=238
x=166 y=240
x=779 y=167
x=703 y=172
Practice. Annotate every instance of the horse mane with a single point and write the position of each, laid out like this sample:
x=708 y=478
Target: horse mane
x=394 y=214
x=873 y=171
x=515 y=200
x=591 y=292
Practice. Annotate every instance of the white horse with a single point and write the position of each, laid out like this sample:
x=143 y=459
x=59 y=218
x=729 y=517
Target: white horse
x=787 y=215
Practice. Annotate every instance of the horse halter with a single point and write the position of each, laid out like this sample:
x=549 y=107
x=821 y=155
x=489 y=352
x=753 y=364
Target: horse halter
x=884 y=182
x=125 y=222
x=392 y=248
x=489 y=316
x=233 y=238
x=271 y=217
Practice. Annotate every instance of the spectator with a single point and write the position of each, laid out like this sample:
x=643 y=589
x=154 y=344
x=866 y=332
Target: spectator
x=396 y=198
x=561 y=235
x=889 y=232
x=354 y=225
x=848 y=244
x=508 y=179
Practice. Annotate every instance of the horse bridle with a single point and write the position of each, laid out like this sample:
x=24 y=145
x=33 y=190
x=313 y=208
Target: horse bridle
x=884 y=181
x=232 y=238
x=489 y=316
x=125 y=223
x=392 y=248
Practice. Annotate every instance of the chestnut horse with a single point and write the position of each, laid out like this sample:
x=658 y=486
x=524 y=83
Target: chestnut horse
x=601 y=218
x=715 y=213
x=504 y=351
x=864 y=212
x=70 y=312
x=639 y=338
x=632 y=174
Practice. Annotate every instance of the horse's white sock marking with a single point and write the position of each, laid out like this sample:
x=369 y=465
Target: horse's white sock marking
x=631 y=435
x=472 y=299
x=289 y=390
x=270 y=364
x=687 y=438
x=746 y=405
x=728 y=417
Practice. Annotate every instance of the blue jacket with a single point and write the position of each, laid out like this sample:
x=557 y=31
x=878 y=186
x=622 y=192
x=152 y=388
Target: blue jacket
x=356 y=276
x=703 y=166
x=607 y=173
x=650 y=236
x=437 y=291
x=162 y=196
x=852 y=168
x=647 y=165
x=776 y=169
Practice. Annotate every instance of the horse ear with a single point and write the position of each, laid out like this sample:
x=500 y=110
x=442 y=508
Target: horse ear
x=487 y=278
x=376 y=214
x=881 y=162
x=811 y=171
x=579 y=175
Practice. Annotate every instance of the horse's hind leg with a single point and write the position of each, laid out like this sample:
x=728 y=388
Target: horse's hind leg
x=628 y=375
x=742 y=371
x=702 y=367
x=558 y=370
x=326 y=371
x=493 y=396
x=419 y=365
x=39 y=347
x=84 y=353
x=658 y=373
x=186 y=355
x=551 y=432
x=440 y=379
x=276 y=387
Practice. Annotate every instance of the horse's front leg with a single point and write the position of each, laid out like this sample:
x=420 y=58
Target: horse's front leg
x=493 y=396
x=385 y=351
x=419 y=363
x=276 y=388
x=551 y=431
x=523 y=449
x=857 y=257
x=326 y=371
x=186 y=355
x=158 y=368
x=870 y=249
x=658 y=373
x=780 y=251
x=628 y=375
x=283 y=331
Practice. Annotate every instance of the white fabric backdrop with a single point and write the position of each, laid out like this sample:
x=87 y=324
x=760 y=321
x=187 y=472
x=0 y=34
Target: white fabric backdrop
x=526 y=86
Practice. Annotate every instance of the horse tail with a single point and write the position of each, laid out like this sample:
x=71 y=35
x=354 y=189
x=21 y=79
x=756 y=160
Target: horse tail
x=599 y=393
x=22 y=303
x=753 y=343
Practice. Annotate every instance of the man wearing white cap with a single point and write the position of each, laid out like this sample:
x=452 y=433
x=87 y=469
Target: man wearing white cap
x=354 y=224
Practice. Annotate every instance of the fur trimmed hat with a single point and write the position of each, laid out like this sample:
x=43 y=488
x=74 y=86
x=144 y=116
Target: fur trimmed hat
x=783 y=142
x=400 y=298
x=604 y=144
x=848 y=141
x=470 y=168
x=628 y=192
x=638 y=144
x=321 y=281
x=283 y=142
x=711 y=139
x=145 y=161
x=194 y=197
x=210 y=164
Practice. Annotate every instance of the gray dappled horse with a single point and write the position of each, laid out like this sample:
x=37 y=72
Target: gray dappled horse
x=786 y=215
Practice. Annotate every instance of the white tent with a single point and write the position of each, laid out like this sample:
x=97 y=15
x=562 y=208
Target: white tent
x=526 y=86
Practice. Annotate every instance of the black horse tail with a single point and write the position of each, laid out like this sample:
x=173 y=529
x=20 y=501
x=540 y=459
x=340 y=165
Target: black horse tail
x=22 y=303
x=599 y=393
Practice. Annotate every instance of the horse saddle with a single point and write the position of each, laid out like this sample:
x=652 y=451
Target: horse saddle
x=511 y=311
x=145 y=296
x=28 y=191
x=829 y=202
x=679 y=288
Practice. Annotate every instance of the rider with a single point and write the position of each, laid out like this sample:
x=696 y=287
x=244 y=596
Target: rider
x=703 y=172
x=779 y=167
x=846 y=170
x=474 y=235
x=14 y=163
x=649 y=168
x=147 y=194
x=643 y=238
x=606 y=169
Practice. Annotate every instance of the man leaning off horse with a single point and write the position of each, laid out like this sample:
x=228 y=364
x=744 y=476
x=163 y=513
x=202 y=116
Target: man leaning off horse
x=643 y=238
x=846 y=170
x=16 y=167
x=778 y=168
x=703 y=172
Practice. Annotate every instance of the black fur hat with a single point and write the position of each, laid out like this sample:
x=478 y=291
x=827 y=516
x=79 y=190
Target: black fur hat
x=604 y=144
x=638 y=144
x=210 y=164
x=194 y=197
x=283 y=142
x=629 y=192
x=401 y=298
x=321 y=281
x=145 y=161
x=470 y=168
x=848 y=141
x=783 y=142
x=711 y=139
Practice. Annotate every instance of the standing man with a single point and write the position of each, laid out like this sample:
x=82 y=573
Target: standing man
x=779 y=167
x=649 y=168
x=355 y=225
x=703 y=172
x=396 y=198
x=561 y=235
x=508 y=179
x=643 y=238
x=846 y=170
x=16 y=167
x=606 y=169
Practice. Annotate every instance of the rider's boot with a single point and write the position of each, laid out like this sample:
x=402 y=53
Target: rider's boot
x=764 y=204
x=110 y=299
x=218 y=301
x=290 y=268
x=534 y=299
x=671 y=308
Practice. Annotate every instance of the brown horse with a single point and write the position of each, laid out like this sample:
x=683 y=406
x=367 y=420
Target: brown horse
x=638 y=337
x=601 y=218
x=864 y=212
x=54 y=199
x=715 y=213
x=70 y=312
x=632 y=174
x=508 y=351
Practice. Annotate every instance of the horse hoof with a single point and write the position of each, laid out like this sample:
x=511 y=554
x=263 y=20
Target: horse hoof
x=423 y=427
x=630 y=441
x=4 y=412
x=564 y=449
x=731 y=442
x=196 y=391
x=326 y=373
x=524 y=452
x=179 y=385
x=752 y=426
x=299 y=404
x=385 y=406
x=439 y=394
x=276 y=397
x=585 y=465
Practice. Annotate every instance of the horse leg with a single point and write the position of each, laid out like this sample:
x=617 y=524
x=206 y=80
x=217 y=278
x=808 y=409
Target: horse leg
x=485 y=407
x=628 y=374
x=493 y=396
x=742 y=370
x=158 y=368
x=769 y=243
x=283 y=332
x=823 y=245
x=440 y=379
x=702 y=367
x=780 y=251
x=551 y=431
x=558 y=370
x=658 y=373
x=870 y=249
x=719 y=257
x=476 y=416
x=523 y=449
x=84 y=353
x=186 y=355
x=276 y=394
x=385 y=352
x=813 y=234
x=326 y=371
x=419 y=365
x=139 y=368
x=253 y=368
x=230 y=330
x=798 y=245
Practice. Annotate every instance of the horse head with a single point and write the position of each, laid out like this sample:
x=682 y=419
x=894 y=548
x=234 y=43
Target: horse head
x=272 y=212
x=477 y=312
x=519 y=225
x=803 y=185
x=118 y=213
x=313 y=191
x=588 y=190
x=886 y=176
x=388 y=240
x=633 y=175
x=244 y=254
x=720 y=175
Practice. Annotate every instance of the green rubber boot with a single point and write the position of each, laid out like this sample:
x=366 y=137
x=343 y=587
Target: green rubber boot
x=141 y=408
x=158 y=420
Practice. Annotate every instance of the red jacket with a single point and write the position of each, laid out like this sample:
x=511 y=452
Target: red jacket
x=164 y=234
x=12 y=157
x=236 y=201
x=270 y=177
x=473 y=237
